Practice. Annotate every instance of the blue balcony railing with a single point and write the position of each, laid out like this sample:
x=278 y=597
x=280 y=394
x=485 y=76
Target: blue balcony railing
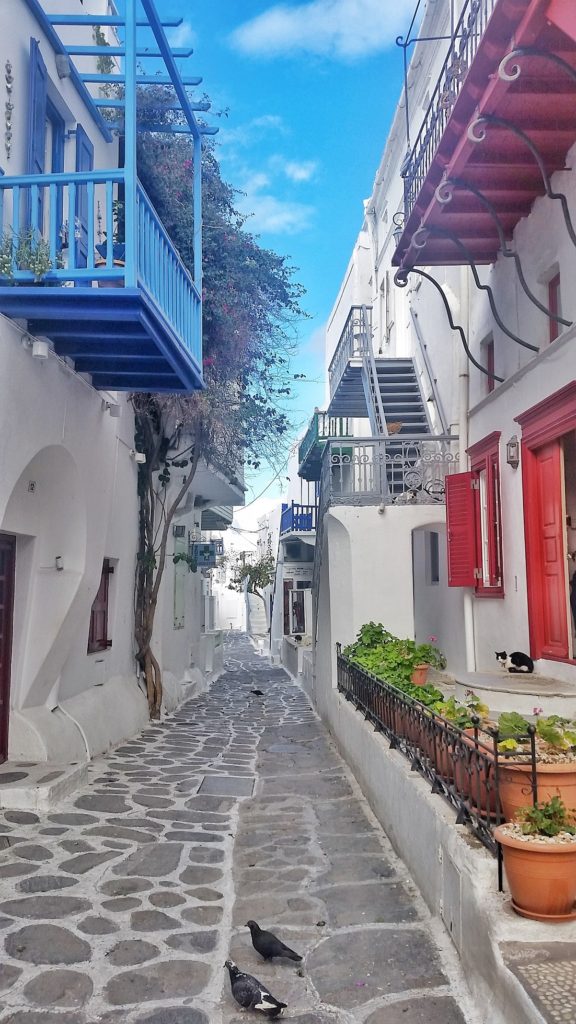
x=298 y=518
x=70 y=221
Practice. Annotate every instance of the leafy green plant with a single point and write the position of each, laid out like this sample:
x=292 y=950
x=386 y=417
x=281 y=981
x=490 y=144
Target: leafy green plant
x=393 y=659
x=557 y=732
x=511 y=725
x=33 y=254
x=7 y=256
x=547 y=819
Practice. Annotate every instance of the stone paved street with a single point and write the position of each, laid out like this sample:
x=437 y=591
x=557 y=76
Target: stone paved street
x=123 y=904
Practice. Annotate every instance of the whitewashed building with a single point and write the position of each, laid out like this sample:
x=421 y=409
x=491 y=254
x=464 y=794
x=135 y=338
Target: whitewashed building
x=78 y=330
x=446 y=456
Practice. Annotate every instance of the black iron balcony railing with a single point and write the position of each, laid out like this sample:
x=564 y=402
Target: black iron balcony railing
x=462 y=765
x=397 y=470
x=467 y=36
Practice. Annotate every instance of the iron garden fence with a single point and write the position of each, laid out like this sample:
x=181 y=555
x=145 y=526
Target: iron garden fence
x=463 y=765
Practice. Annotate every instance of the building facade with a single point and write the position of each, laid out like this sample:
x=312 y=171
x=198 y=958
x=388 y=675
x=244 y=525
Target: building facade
x=448 y=510
x=84 y=320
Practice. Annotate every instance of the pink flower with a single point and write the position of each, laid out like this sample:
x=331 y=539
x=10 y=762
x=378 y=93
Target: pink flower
x=432 y=639
x=537 y=711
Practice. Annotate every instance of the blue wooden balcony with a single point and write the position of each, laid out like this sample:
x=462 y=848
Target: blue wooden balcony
x=296 y=518
x=131 y=325
x=84 y=257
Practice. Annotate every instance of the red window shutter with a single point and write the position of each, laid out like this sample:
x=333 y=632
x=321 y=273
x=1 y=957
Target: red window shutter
x=461 y=529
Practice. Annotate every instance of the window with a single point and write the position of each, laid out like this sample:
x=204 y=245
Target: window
x=554 y=305
x=474 y=521
x=489 y=364
x=98 y=631
x=433 y=558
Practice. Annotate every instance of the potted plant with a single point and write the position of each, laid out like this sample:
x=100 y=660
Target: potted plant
x=426 y=656
x=28 y=251
x=539 y=849
x=555 y=744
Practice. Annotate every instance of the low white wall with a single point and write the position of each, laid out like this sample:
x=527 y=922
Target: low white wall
x=456 y=876
x=293 y=655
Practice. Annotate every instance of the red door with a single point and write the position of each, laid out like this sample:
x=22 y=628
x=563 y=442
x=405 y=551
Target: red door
x=545 y=551
x=7 y=569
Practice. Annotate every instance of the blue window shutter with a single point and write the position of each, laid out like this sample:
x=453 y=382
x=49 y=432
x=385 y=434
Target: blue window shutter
x=84 y=162
x=36 y=126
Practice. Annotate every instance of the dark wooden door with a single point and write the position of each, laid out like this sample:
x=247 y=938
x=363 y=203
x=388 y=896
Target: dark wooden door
x=7 y=571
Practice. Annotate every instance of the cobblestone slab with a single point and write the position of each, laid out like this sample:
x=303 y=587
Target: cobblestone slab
x=121 y=906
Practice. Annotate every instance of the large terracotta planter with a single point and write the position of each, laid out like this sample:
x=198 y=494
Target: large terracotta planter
x=515 y=785
x=419 y=674
x=541 y=877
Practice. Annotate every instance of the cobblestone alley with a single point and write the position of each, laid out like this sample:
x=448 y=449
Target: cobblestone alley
x=123 y=904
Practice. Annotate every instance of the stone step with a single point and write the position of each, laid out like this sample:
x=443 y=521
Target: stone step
x=521 y=692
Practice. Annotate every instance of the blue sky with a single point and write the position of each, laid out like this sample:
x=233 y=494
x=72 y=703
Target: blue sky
x=310 y=89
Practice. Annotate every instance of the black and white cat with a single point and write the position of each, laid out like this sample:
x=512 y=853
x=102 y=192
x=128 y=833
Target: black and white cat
x=515 y=662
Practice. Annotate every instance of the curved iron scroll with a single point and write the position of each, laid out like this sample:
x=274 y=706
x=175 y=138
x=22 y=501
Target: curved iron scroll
x=444 y=194
x=501 y=122
x=531 y=51
x=401 y=280
x=444 y=233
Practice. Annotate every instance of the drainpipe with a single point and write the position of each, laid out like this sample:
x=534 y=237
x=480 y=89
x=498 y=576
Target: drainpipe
x=463 y=408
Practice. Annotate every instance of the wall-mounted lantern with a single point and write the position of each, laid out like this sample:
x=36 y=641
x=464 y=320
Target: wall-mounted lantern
x=513 y=452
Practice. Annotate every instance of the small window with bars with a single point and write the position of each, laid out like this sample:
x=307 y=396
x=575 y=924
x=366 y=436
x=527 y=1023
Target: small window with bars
x=98 y=639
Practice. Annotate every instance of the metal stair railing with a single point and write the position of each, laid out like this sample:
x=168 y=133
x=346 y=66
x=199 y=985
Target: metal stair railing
x=370 y=378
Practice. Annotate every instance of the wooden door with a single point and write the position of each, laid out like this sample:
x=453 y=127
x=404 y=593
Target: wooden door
x=546 y=552
x=7 y=572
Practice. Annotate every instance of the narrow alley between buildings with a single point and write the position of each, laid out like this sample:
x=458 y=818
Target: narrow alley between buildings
x=124 y=903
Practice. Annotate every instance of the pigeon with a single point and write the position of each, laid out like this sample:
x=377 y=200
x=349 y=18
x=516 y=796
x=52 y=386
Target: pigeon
x=251 y=994
x=268 y=945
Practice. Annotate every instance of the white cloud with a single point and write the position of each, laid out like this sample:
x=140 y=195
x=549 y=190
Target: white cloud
x=269 y=215
x=183 y=35
x=345 y=29
x=297 y=171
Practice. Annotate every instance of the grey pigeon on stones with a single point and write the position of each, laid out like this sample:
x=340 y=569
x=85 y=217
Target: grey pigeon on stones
x=251 y=994
x=268 y=945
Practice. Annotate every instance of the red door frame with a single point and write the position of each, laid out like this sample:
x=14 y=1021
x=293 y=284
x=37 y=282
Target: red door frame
x=543 y=425
x=7 y=579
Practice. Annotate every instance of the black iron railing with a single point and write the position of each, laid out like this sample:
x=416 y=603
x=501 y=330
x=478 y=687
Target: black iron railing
x=462 y=765
x=467 y=37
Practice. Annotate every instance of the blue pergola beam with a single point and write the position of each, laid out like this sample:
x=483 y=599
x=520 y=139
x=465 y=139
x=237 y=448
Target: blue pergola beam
x=202 y=105
x=141 y=80
x=106 y=19
x=171 y=67
x=119 y=51
x=77 y=80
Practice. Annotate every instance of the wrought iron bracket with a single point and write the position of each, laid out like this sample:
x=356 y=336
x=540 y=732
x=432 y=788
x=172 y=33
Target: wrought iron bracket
x=444 y=195
x=423 y=232
x=477 y=133
x=401 y=280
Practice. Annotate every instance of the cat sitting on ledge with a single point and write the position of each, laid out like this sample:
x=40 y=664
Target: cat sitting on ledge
x=515 y=662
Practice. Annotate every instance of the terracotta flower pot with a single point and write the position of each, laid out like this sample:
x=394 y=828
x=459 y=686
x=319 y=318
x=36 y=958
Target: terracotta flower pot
x=118 y=283
x=474 y=774
x=541 y=877
x=515 y=785
x=419 y=674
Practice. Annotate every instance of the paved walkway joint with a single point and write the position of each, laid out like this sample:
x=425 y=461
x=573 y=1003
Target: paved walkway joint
x=123 y=905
